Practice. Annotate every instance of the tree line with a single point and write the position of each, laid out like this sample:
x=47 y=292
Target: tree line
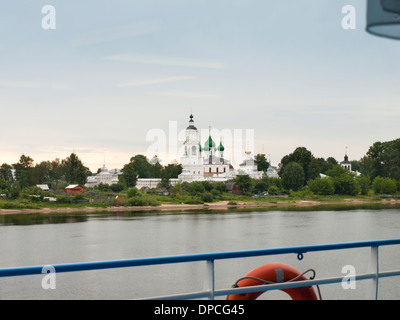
x=57 y=174
x=379 y=170
x=300 y=170
x=140 y=168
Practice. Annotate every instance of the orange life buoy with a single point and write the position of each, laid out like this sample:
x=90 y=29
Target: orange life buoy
x=274 y=273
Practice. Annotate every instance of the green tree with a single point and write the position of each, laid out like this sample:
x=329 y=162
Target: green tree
x=219 y=186
x=244 y=182
x=176 y=191
x=15 y=190
x=320 y=165
x=156 y=170
x=42 y=173
x=300 y=155
x=23 y=171
x=117 y=187
x=207 y=185
x=142 y=166
x=74 y=170
x=260 y=187
x=344 y=181
x=129 y=175
x=170 y=171
x=103 y=187
x=365 y=184
x=346 y=185
x=261 y=162
x=132 y=192
x=315 y=168
x=337 y=171
x=293 y=177
x=355 y=165
x=323 y=186
x=55 y=172
x=4 y=186
x=384 y=185
x=207 y=197
x=330 y=162
x=6 y=173
x=194 y=188
x=273 y=190
x=382 y=159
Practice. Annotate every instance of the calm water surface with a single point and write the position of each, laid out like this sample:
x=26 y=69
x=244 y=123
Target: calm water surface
x=28 y=240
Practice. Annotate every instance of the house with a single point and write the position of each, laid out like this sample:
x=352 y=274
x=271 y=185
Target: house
x=44 y=187
x=232 y=187
x=74 y=189
x=162 y=192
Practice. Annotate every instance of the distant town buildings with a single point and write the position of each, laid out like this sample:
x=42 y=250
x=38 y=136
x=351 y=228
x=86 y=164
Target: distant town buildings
x=104 y=176
x=206 y=161
x=200 y=162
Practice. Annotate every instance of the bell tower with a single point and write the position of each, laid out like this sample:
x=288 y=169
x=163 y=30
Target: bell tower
x=191 y=160
x=346 y=164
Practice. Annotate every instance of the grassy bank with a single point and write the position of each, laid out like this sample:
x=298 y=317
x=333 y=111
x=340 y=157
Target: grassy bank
x=140 y=199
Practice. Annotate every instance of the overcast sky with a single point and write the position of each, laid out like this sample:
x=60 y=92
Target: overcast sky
x=112 y=72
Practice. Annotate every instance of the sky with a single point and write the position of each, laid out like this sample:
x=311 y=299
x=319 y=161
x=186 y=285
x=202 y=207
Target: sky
x=120 y=78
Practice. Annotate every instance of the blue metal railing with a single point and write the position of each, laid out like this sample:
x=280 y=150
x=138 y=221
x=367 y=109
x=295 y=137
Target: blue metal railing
x=210 y=258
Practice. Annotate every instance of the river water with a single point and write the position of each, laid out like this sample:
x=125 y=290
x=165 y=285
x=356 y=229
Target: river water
x=27 y=240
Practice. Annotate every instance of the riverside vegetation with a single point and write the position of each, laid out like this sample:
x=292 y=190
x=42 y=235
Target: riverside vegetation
x=299 y=179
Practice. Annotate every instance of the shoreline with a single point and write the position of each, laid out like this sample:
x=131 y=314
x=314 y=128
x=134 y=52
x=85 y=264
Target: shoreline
x=209 y=206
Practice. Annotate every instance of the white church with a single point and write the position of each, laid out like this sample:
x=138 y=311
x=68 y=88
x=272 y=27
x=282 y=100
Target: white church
x=207 y=162
x=203 y=163
x=105 y=176
x=200 y=162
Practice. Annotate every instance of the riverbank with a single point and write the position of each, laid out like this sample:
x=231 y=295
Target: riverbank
x=221 y=205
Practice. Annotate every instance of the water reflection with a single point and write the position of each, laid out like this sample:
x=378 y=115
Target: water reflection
x=40 y=218
x=76 y=217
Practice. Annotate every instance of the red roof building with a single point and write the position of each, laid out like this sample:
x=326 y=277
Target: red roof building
x=75 y=189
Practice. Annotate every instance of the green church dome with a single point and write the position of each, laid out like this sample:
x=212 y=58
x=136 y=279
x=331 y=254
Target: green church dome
x=209 y=144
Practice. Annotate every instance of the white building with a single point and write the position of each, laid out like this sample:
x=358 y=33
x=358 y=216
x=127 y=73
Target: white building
x=104 y=176
x=346 y=164
x=248 y=167
x=191 y=160
x=203 y=163
x=272 y=172
x=152 y=183
x=44 y=187
x=206 y=161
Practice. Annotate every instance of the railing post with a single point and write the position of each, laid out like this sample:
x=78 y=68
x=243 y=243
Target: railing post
x=372 y=290
x=210 y=279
